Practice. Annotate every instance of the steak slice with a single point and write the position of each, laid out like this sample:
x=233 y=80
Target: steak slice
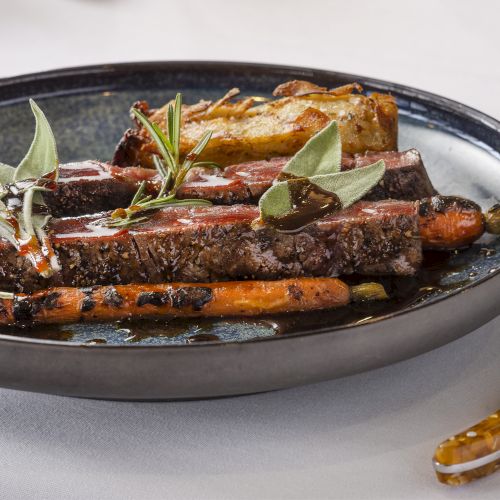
x=201 y=244
x=405 y=179
x=90 y=187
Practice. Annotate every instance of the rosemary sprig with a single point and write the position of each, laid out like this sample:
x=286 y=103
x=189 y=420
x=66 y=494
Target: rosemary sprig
x=171 y=170
x=141 y=204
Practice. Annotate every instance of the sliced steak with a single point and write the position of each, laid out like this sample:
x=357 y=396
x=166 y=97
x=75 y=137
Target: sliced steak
x=88 y=187
x=202 y=244
x=405 y=179
x=405 y=176
x=91 y=187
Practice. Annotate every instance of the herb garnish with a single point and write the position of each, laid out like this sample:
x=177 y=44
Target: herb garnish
x=23 y=213
x=172 y=171
x=312 y=186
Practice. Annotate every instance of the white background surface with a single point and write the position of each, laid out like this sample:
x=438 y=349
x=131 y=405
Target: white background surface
x=367 y=436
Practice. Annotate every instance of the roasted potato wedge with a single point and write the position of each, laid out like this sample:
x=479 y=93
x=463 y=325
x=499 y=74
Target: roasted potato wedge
x=249 y=129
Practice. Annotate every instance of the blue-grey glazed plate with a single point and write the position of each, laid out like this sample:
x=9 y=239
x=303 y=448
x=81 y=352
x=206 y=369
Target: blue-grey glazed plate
x=454 y=294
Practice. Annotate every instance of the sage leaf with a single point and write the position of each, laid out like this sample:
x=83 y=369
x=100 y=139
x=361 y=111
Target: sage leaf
x=42 y=157
x=351 y=185
x=348 y=186
x=28 y=226
x=7 y=231
x=320 y=155
x=39 y=223
x=6 y=174
x=276 y=201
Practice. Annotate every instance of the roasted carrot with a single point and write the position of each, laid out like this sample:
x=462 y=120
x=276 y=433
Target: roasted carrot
x=449 y=222
x=235 y=298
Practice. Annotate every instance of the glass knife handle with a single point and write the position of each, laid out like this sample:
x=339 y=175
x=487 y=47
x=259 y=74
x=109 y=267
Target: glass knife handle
x=471 y=454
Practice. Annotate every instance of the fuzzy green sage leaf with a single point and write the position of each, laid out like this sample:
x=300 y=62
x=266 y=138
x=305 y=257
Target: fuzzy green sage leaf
x=6 y=174
x=41 y=158
x=351 y=185
x=303 y=195
x=320 y=155
x=21 y=192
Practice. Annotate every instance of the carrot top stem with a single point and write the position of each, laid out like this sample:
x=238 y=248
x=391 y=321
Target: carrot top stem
x=492 y=219
x=368 y=291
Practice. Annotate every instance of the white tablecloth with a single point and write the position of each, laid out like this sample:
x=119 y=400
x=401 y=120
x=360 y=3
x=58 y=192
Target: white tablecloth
x=366 y=436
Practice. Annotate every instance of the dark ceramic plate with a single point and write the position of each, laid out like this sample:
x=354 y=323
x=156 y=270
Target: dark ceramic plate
x=452 y=295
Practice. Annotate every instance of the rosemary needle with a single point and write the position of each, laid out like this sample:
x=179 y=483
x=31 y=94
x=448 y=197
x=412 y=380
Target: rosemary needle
x=168 y=165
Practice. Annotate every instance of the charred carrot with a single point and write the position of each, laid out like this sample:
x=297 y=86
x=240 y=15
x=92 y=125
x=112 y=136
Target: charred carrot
x=449 y=222
x=235 y=298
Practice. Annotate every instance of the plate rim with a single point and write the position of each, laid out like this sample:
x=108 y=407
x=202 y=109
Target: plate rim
x=414 y=93
x=82 y=70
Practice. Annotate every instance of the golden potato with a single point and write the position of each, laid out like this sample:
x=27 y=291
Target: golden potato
x=250 y=129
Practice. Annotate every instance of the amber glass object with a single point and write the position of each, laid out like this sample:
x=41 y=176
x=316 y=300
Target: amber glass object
x=471 y=454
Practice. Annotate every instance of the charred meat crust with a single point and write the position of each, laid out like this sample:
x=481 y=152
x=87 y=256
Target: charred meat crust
x=405 y=179
x=206 y=244
x=92 y=187
x=87 y=187
x=128 y=149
